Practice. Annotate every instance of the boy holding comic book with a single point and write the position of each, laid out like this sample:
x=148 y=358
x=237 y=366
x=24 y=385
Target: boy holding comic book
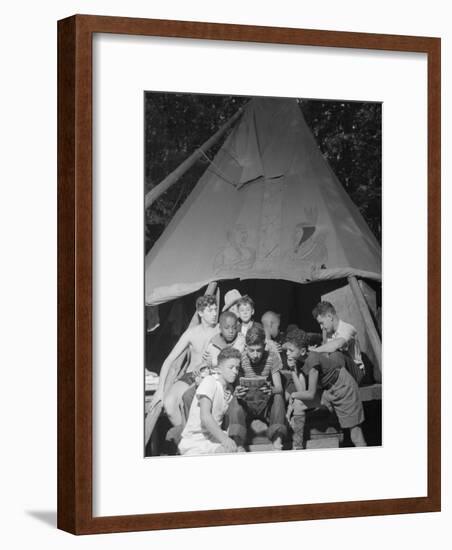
x=259 y=394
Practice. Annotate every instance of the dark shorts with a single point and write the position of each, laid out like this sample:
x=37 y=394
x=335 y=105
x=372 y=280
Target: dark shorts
x=343 y=398
x=256 y=402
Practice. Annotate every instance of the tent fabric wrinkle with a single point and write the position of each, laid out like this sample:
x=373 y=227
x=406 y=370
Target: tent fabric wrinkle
x=285 y=216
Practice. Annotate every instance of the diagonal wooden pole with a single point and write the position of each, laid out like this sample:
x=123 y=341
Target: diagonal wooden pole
x=374 y=338
x=172 y=178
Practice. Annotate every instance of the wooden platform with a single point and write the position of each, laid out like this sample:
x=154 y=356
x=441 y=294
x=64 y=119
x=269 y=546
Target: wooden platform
x=322 y=434
x=370 y=393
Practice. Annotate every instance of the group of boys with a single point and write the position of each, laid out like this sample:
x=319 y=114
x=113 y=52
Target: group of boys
x=234 y=377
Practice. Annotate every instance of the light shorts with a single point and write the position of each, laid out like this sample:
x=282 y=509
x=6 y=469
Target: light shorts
x=196 y=447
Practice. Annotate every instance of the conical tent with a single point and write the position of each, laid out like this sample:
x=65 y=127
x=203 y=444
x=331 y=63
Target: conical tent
x=267 y=207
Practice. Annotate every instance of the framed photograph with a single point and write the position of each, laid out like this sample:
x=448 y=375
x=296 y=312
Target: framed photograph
x=248 y=274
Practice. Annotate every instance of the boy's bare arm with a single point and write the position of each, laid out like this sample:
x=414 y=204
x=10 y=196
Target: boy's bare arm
x=312 y=387
x=240 y=342
x=299 y=382
x=209 y=424
x=331 y=346
x=276 y=383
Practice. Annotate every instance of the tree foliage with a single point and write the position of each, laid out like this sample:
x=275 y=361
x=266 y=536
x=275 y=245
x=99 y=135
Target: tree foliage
x=348 y=134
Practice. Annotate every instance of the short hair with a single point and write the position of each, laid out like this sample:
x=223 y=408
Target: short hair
x=205 y=301
x=228 y=315
x=323 y=308
x=298 y=338
x=245 y=300
x=255 y=335
x=229 y=353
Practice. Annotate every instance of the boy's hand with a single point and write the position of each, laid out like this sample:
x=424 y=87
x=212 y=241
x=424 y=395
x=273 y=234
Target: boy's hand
x=240 y=342
x=196 y=371
x=229 y=445
x=240 y=392
x=266 y=389
x=200 y=373
x=273 y=346
x=207 y=357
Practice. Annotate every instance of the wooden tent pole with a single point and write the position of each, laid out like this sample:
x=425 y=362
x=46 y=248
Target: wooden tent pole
x=172 y=178
x=363 y=307
x=155 y=411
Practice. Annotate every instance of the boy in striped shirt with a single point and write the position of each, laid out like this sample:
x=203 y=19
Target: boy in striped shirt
x=265 y=402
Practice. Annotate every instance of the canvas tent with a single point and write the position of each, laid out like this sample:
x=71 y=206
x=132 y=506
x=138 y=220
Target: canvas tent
x=267 y=207
x=268 y=211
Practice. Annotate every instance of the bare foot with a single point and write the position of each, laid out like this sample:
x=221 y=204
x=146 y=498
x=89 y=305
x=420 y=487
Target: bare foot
x=277 y=444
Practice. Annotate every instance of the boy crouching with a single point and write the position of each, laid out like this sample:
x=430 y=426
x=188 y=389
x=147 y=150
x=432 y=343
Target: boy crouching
x=203 y=433
x=296 y=346
x=340 y=390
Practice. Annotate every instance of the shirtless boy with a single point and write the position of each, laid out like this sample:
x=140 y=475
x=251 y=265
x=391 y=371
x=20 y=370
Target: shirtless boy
x=196 y=339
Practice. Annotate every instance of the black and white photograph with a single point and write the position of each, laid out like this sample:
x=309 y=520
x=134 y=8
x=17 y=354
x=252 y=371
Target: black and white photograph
x=202 y=201
x=263 y=279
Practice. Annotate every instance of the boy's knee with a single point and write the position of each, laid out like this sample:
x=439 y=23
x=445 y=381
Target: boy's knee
x=168 y=403
x=171 y=406
x=236 y=411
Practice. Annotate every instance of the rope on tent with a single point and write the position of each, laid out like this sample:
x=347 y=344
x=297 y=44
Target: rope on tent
x=152 y=195
x=175 y=205
x=216 y=170
x=369 y=324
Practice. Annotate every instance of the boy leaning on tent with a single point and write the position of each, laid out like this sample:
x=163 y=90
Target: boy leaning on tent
x=195 y=340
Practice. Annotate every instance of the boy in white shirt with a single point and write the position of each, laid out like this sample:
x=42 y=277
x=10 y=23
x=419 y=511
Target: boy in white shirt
x=203 y=433
x=245 y=308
